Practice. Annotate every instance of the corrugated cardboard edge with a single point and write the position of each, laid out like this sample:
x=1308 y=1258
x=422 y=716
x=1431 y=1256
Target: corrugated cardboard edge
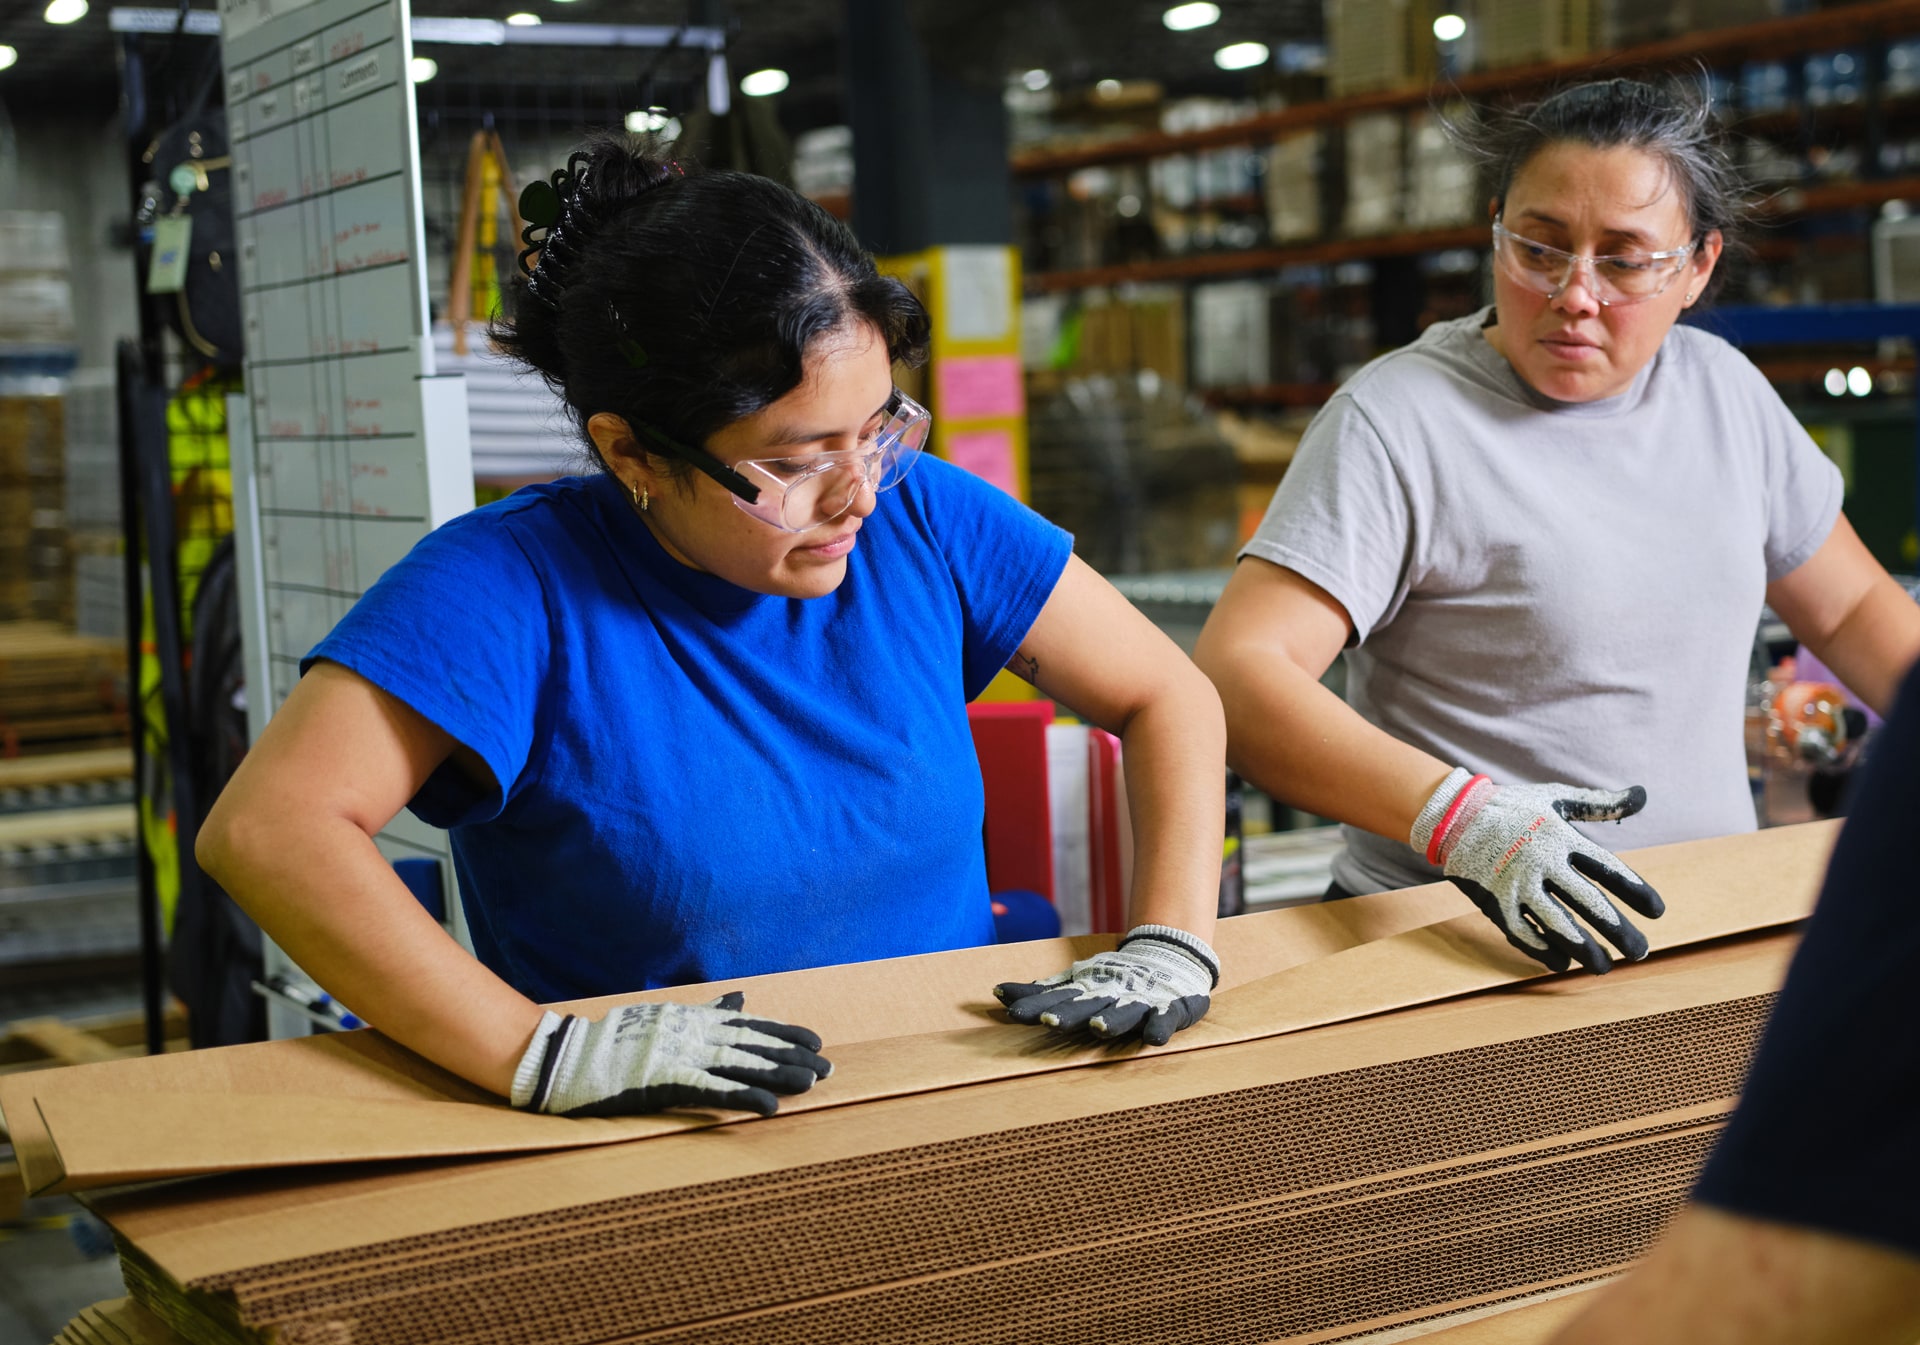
x=118 y=1321
x=204 y=1229
x=1531 y=1322
x=336 y=1102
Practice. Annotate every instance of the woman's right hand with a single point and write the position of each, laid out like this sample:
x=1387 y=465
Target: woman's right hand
x=650 y=1057
x=1511 y=849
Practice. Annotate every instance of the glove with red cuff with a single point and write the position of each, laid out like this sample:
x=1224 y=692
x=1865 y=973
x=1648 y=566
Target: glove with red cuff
x=1510 y=848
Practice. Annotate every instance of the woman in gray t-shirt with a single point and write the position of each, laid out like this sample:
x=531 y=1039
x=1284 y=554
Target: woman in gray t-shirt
x=1543 y=534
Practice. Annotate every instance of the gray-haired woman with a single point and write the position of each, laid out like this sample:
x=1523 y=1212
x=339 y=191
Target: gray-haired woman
x=1544 y=533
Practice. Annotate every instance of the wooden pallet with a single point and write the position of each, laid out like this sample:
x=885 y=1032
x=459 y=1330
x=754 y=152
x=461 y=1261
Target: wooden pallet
x=61 y=768
x=59 y=691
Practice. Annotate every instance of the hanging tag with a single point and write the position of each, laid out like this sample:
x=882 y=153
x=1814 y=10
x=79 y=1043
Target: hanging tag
x=167 y=272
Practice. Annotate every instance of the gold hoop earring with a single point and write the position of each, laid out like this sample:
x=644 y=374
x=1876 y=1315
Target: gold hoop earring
x=641 y=497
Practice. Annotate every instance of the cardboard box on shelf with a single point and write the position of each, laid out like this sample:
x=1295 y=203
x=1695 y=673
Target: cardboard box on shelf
x=1379 y=44
x=1294 y=163
x=1376 y=173
x=1232 y=334
x=1524 y=32
x=1442 y=180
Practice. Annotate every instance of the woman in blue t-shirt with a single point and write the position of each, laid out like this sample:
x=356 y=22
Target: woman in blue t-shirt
x=701 y=714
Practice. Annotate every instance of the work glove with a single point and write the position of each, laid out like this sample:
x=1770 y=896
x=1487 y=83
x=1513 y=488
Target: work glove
x=1158 y=980
x=649 y=1057
x=1510 y=848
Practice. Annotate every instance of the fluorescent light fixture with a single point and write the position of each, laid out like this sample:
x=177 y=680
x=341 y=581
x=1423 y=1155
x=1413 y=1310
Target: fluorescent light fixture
x=423 y=68
x=1036 y=80
x=1859 y=381
x=1108 y=88
x=1241 y=56
x=763 y=83
x=1449 y=27
x=460 y=32
x=523 y=20
x=654 y=121
x=7 y=56
x=1185 y=18
x=66 y=11
x=1836 y=383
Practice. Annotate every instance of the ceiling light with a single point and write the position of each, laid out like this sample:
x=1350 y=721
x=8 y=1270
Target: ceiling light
x=1185 y=18
x=7 y=56
x=1036 y=80
x=66 y=11
x=1859 y=381
x=522 y=20
x=1241 y=56
x=762 y=83
x=654 y=121
x=1449 y=27
x=423 y=69
x=1836 y=383
x=1108 y=88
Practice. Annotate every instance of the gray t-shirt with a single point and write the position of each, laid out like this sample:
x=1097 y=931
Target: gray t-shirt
x=1551 y=591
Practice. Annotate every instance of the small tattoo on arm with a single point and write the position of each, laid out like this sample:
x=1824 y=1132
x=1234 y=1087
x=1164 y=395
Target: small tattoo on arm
x=1025 y=667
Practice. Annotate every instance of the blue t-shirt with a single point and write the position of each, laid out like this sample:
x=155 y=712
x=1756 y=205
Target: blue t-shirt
x=1827 y=1133
x=698 y=782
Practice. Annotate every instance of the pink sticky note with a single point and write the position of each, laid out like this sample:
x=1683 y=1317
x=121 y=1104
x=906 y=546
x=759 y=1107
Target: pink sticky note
x=988 y=454
x=979 y=386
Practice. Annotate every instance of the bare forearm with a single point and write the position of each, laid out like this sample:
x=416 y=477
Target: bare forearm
x=1871 y=650
x=323 y=892
x=1176 y=793
x=1720 y=1279
x=1295 y=739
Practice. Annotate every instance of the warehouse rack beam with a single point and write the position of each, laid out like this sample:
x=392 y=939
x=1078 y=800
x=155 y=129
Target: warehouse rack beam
x=1787 y=203
x=1768 y=40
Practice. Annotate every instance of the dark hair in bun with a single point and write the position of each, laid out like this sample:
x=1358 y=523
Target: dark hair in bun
x=686 y=300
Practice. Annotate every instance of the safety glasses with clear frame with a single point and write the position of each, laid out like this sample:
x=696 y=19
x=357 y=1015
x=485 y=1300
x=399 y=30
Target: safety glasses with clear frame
x=809 y=490
x=1617 y=280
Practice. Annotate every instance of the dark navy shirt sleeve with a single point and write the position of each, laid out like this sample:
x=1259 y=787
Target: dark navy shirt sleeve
x=1004 y=558
x=458 y=630
x=1827 y=1133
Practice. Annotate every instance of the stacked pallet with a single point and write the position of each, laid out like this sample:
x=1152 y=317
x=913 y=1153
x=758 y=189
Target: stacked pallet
x=1371 y=1171
x=35 y=578
x=60 y=692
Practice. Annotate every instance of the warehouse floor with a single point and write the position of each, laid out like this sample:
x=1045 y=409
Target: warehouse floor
x=45 y=1278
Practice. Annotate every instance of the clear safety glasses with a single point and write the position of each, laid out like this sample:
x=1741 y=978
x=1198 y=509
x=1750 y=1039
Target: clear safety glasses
x=807 y=490
x=1628 y=278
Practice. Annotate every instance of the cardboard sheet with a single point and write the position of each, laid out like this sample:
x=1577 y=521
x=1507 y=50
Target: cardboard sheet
x=200 y=1232
x=921 y=995
x=355 y=1097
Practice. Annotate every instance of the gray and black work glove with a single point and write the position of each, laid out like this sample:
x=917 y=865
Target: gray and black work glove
x=1509 y=848
x=1159 y=980
x=650 y=1057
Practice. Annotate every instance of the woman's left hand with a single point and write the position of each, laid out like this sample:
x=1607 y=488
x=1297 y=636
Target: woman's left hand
x=1158 y=980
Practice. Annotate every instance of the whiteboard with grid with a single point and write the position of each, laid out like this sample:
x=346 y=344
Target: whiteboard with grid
x=349 y=449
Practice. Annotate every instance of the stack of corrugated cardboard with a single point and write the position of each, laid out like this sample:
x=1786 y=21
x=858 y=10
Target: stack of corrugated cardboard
x=1361 y=1171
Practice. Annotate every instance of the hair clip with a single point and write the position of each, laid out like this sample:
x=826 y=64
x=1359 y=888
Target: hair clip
x=545 y=204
